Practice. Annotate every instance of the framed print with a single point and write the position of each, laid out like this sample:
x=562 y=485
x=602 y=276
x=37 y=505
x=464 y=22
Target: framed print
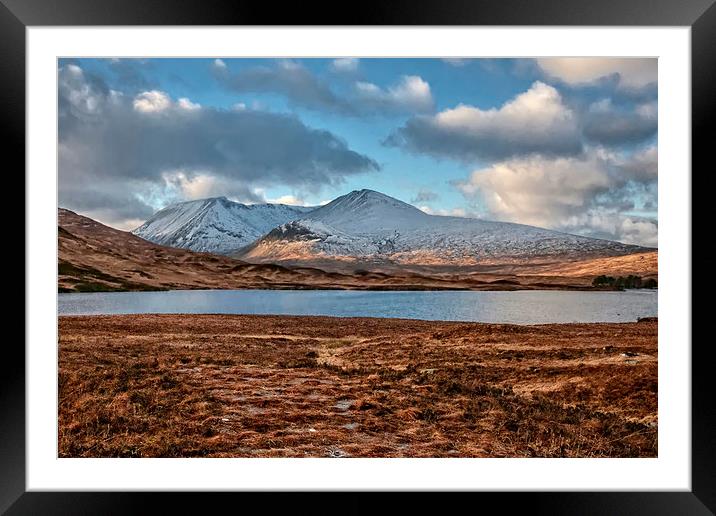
x=449 y=251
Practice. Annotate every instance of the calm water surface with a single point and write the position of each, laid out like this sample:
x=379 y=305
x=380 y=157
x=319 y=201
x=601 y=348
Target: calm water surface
x=519 y=307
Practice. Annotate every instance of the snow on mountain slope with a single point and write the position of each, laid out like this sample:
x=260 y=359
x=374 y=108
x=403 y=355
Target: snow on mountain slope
x=367 y=224
x=215 y=225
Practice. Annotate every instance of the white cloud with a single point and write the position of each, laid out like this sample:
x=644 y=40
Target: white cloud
x=193 y=186
x=81 y=95
x=643 y=232
x=302 y=87
x=539 y=108
x=648 y=110
x=536 y=121
x=219 y=63
x=152 y=101
x=611 y=125
x=536 y=190
x=410 y=93
x=345 y=64
x=156 y=101
x=641 y=166
x=289 y=199
x=583 y=195
x=120 y=161
x=127 y=224
x=452 y=212
x=185 y=103
x=633 y=72
x=602 y=223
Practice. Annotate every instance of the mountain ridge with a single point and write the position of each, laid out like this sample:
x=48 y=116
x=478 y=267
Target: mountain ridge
x=358 y=226
x=215 y=224
x=367 y=224
x=94 y=257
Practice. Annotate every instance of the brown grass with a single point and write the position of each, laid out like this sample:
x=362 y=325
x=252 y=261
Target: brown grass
x=267 y=386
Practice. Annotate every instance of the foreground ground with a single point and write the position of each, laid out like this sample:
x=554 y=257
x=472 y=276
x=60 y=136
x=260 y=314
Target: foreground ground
x=268 y=386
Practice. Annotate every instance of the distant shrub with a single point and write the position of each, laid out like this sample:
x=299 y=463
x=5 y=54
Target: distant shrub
x=649 y=283
x=603 y=280
x=622 y=282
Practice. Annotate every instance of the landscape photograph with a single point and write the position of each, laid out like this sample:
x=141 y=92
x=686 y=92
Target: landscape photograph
x=357 y=257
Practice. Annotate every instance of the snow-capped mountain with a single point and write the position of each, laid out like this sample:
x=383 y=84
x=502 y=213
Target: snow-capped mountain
x=369 y=225
x=215 y=225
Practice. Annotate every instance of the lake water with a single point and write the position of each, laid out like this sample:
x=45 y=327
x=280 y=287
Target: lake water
x=519 y=307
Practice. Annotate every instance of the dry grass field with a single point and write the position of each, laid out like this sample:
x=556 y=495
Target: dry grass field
x=268 y=386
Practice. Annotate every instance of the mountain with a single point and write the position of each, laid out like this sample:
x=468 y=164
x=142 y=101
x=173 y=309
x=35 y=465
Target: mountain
x=95 y=257
x=215 y=225
x=368 y=225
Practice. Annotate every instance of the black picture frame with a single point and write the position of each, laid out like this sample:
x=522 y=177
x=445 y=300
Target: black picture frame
x=700 y=15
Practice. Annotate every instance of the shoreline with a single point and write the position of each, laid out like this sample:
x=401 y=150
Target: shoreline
x=370 y=288
x=304 y=386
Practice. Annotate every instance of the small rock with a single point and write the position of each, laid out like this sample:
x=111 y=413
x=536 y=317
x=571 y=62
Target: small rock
x=630 y=354
x=343 y=404
x=336 y=453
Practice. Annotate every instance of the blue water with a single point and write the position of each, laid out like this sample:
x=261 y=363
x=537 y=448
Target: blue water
x=519 y=307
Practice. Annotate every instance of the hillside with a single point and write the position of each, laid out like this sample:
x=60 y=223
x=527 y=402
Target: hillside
x=94 y=257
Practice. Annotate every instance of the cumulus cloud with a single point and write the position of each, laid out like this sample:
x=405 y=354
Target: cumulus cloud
x=156 y=101
x=451 y=212
x=151 y=101
x=410 y=94
x=80 y=95
x=586 y=194
x=605 y=124
x=536 y=190
x=612 y=225
x=287 y=78
x=536 y=121
x=642 y=166
x=301 y=87
x=631 y=72
x=190 y=185
x=116 y=151
x=185 y=103
x=291 y=200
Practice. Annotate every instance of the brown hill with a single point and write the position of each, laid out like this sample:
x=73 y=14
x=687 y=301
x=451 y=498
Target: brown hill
x=95 y=257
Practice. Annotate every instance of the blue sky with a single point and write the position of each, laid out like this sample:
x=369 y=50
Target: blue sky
x=568 y=144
